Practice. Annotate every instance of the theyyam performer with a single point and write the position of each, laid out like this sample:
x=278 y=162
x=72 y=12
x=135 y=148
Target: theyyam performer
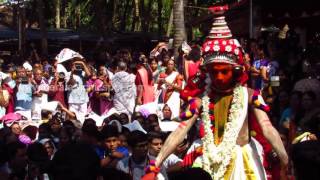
x=219 y=100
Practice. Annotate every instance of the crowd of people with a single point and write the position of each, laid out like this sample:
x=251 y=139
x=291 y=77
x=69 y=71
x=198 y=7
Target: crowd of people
x=83 y=118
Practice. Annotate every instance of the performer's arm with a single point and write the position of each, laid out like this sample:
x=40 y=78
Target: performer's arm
x=174 y=139
x=271 y=135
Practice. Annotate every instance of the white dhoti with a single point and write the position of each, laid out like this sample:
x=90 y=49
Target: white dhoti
x=246 y=162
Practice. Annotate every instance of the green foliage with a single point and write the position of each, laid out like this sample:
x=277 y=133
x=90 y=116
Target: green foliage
x=118 y=17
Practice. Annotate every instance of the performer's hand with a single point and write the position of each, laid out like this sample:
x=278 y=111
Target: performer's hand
x=283 y=172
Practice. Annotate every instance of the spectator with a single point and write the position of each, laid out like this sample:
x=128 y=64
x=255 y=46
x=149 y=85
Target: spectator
x=144 y=83
x=38 y=161
x=17 y=162
x=40 y=94
x=92 y=136
x=125 y=90
x=192 y=62
x=16 y=129
x=5 y=94
x=155 y=142
x=166 y=113
x=306 y=160
x=77 y=95
x=113 y=152
x=50 y=148
x=171 y=82
x=24 y=91
x=75 y=161
x=136 y=163
x=308 y=101
x=57 y=88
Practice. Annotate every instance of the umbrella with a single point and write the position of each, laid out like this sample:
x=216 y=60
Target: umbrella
x=308 y=85
x=67 y=54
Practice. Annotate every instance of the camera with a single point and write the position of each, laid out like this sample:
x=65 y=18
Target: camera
x=275 y=81
x=61 y=76
x=24 y=80
x=50 y=71
x=78 y=67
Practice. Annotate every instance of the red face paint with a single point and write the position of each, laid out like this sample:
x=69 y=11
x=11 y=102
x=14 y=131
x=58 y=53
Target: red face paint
x=221 y=75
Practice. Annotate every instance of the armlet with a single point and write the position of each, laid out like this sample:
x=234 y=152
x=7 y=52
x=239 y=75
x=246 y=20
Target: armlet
x=258 y=102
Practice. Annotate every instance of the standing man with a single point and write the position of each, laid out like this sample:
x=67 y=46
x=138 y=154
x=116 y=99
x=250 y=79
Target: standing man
x=125 y=90
x=227 y=151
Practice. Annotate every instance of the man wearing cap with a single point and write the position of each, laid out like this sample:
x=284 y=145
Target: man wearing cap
x=226 y=150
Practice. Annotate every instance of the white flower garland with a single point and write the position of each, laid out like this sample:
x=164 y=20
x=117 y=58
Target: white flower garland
x=216 y=158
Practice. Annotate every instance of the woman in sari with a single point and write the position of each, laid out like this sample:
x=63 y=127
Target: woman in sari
x=171 y=83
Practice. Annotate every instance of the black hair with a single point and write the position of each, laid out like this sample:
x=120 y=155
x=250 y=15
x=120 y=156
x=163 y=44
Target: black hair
x=109 y=131
x=136 y=137
x=113 y=173
x=310 y=94
x=152 y=117
x=154 y=135
x=75 y=161
x=13 y=148
x=3 y=153
x=38 y=155
x=306 y=160
x=190 y=174
x=194 y=54
x=91 y=130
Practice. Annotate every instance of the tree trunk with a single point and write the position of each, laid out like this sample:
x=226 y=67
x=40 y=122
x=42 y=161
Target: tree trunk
x=143 y=16
x=43 y=29
x=57 y=17
x=179 y=27
x=148 y=16
x=77 y=13
x=101 y=18
x=124 y=16
x=115 y=14
x=170 y=24
x=64 y=7
x=160 y=5
x=136 y=23
x=22 y=31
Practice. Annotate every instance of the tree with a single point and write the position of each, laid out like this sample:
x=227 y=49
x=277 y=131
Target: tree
x=179 y=27
x=43 y=29
x=57 y=15
x=160 y=5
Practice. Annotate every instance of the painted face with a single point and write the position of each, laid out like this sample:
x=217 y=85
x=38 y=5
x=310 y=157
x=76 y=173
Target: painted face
x=221 y=75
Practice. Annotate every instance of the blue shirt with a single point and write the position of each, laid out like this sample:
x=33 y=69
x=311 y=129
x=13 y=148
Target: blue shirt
x=23 y=99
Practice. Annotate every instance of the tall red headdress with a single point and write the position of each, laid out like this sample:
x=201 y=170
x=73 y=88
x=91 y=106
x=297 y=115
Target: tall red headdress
x=219 y=45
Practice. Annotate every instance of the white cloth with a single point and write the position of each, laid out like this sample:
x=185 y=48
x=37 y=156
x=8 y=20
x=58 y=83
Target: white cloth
x=77 y=94
x=39 y=102
x=80 y=111
x=174 y=100
x=67 y=54
x=171 y=161
x=254 y=151
x=125 y=92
